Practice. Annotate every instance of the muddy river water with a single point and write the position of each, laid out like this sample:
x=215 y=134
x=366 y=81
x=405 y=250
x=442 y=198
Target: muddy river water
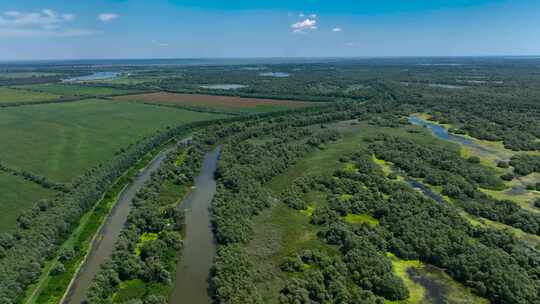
x=193 y=270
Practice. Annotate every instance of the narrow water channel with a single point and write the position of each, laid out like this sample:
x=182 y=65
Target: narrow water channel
x=442 y=133
x=193 y=269
x=108 y=235
x=424 y=189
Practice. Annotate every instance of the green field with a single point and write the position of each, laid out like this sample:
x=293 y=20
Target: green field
x=8 y=95
x=16 y=196
x=76 y=90
x=62 y=141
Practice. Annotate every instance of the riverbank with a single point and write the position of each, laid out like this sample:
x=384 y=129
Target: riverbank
x=52 y=287
x=103 y=244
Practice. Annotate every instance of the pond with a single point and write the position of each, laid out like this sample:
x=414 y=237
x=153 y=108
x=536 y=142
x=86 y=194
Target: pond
x=445 y=86
x=275 y=74
x=95 y=76
x=224 y=86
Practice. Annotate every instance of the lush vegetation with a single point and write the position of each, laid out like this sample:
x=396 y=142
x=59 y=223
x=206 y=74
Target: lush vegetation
x=62 y=141
x=78 y=90
x=144 y=260
x=36 y=240
x=459 y=179
x=525 y=164
x=10 y=96
x=16 y=196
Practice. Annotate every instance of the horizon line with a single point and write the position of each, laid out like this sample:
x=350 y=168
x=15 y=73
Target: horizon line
x=270 y=57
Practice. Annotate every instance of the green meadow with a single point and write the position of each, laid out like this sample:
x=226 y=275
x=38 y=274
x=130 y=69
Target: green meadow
x=16 y=196
x=10 y=95
x=62 y=141
x=75 y=90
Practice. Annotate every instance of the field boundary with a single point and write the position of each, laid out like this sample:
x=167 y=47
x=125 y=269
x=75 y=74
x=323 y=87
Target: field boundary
x=187 y=108
x=42 y=181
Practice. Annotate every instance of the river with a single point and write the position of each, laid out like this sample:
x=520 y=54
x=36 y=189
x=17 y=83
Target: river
x=109 y=233
x=193 y=270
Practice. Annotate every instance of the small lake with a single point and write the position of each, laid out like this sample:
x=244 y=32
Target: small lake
x=275 y=74
x=224 y=86
x=446 y=86
x=95 y=76
x=253 y=68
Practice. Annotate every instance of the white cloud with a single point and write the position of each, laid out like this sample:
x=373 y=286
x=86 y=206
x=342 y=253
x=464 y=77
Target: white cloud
x=45 y=17
x=46 y=23
x=107 y=17
x=337 y=29
x=350 y=44
x=161 y=44
x=303 y=26
x=68 y=17
x=45 y=32
x=313 y=16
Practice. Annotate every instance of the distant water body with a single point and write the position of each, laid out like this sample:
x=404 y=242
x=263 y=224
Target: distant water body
x=224 y=86
x=275 y=74
x=95 y=76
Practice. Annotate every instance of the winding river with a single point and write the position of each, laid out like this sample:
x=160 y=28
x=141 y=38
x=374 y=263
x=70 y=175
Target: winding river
x=109 y=233
x=193 y=270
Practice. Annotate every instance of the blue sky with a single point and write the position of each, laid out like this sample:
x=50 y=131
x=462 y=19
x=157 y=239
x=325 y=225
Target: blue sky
x=79 y=29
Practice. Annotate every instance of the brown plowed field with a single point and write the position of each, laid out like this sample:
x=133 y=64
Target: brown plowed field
x=212 y=101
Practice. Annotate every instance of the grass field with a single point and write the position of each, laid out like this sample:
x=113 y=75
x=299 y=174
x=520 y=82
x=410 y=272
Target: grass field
x=8 y=95
x=17 y=195
x=75 y=90
x=61 y=141
x=225 y=103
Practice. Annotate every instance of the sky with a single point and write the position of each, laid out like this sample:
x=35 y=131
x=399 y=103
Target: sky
x=114 y=29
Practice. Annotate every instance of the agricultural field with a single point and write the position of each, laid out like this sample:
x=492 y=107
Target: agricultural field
x=16 y=196
x=69 y=90
x=62 y=141
x=219 y=103
x=10 y=95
